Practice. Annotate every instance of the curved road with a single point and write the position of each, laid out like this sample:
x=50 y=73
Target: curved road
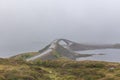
x=52 y=46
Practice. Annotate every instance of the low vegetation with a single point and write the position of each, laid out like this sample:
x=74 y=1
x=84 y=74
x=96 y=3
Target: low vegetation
x=60 y=69
x=24 y=56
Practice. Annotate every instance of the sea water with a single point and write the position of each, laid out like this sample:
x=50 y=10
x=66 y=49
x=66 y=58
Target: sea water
x=109 y=55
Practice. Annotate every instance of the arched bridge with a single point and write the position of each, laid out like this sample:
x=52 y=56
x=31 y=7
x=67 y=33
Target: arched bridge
x=64 y=42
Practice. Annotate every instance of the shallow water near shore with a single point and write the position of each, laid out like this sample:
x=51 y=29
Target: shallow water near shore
x=109 y=55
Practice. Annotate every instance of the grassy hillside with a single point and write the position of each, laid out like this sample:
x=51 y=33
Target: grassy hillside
x=61 y=69
x=24 y=56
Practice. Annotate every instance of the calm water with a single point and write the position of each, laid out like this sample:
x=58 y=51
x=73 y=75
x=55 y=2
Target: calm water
x=110 y=55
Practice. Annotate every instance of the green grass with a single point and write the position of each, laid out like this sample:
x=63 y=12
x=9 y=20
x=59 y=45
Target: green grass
x=24 y=56
x=60 y=69
x=56 y=54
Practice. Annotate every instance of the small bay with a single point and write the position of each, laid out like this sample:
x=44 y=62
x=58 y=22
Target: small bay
x=109 y=55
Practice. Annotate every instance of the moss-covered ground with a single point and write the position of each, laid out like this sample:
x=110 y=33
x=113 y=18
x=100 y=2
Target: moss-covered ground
x=60 y=69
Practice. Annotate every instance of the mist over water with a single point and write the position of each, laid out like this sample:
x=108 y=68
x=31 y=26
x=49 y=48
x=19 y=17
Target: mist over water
x=29 y=25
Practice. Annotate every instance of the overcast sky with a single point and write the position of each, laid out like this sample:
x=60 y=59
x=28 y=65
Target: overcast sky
x=29 y=25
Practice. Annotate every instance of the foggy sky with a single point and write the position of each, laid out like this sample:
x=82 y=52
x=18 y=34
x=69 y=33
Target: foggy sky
x=29 y=25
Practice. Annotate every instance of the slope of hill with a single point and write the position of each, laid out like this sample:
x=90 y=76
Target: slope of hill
x=24 y=56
